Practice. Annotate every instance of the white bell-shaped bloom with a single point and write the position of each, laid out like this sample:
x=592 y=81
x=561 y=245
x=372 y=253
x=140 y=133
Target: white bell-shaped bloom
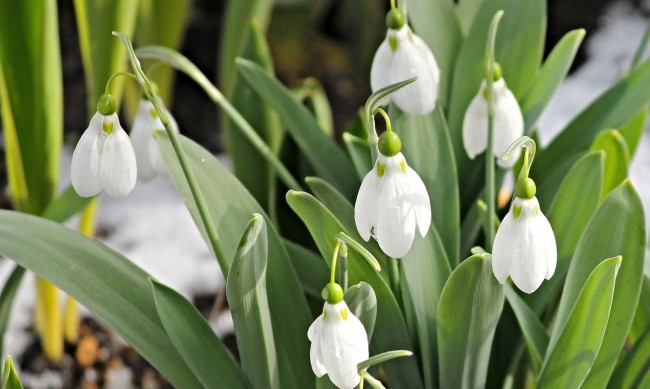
x=147 y=153
x=524 y=246
x=508 y=123
x=391 y=203
x=339 y=342
x=104 y=159
x=401 y=56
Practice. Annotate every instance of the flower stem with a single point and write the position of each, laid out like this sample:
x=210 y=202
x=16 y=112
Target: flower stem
x=392 y=4
x=114 y=76
x=334 y=260
x=490 y=193
x=197 y=195
x=386 y=118
x=343 y=266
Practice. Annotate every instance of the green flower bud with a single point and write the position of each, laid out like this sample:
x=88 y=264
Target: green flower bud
x=389 y=144
x=106 y=105
x=395 y=19
x=333 y=293
x=525 y=188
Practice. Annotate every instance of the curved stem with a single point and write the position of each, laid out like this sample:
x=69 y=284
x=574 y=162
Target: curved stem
x=530 y=147
x=210 y=229
x=334 y=258
x=386 y=118
x=392 y=4
x=114 y=76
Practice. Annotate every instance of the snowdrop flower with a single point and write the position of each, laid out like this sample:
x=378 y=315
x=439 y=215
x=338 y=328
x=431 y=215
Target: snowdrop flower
x=148 y=155
x=508 y=121
x=104 y=157
x=392 y=201
x=401 y=56
x=524 y=246
x=339 y=341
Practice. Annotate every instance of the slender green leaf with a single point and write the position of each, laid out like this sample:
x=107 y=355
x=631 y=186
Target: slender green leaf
x=468 y=313
x=573 y=205
x=248 y=301
x=617 y=228
x=633 y=130
x=102 y=54
x=532 y=329
x=362 y=301
x=426 y=269
x=66 y=205
x=195 y=341
x=617 y=159
x=249 y=166
x=9 y=291
x=613 y=108
x=573 y=351
x=466 y=10
x=555 y=68
x=390 y=328
x=94 y=274
x=322 y=152
x=634 y=366
x=312 y=94
x=31 y=92
x=641 y=322
x=312 y=271
x=436 y=166
x=432 y=20
x=10 y=378
x=231 y=208
x=359 y=153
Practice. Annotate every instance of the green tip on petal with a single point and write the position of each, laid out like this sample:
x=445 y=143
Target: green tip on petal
x=107 y=127
x=333 y=293
x=395 y=19
x=106 y=105
x=389 y=144
x=497 y=72
x=525 y=188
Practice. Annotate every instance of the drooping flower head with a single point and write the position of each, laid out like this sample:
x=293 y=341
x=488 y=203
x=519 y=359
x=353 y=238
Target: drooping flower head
x=392 y=201
x=508 y=121
x=524 y=245
x=104 y=157
x=148 y=156
x=403 y=55
x=338 y=341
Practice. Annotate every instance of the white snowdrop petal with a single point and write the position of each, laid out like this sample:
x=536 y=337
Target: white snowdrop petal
x=419 y=97
x=315 y=351
x=508 y=123
x=475 y=126
x=529 y=269
x=418 y=198
x=118 y=169
x=365 y=207
x=550 y=245
x=86 y=159
x=381 y=64
x=395 y=230
x=427 y=54
x=503 y=252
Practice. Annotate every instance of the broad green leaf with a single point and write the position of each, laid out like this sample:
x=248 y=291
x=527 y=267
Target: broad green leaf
x=426 y=269
x=634 y=366
x=633 y=130
x=617 y=159
x=312 y=94
x=555 y=68
x=362 y=301
x=248 y=302
x=10 y=378
x=617 y=228
x=94 y=275
x=468 y=312
x=573 y=351
x=613 y=108
x=249 y=166
x=573 y=205
x=321 y=151
x=312 y=271
x=31 y=93
x=102 y=54
x=436 y=23
x=641 y=322
x=532 y=329
x=359 y=153
x=195 y=341
x=236 y=19
x=519 y=47
x=466 y=11
x=66 y=205
x=436 y=166
x=231 y=208
x=390 y=328
x=9 y=291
